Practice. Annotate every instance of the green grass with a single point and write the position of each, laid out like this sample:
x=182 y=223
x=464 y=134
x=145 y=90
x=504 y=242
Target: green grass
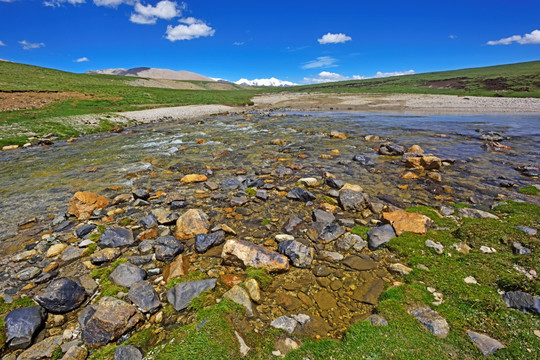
x=108 y=288
x=360 y=231
x=513 y=80
x=261 y=275
x=192 y=276
x=530 y=190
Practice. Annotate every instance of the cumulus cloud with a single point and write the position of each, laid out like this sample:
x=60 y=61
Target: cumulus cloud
x=190 y=28
x=532 y=38
x=326 y=76
x=320 y=62
x=29 y=46
x=2 y=43
x=113 y=3
x=83 y=59
x=149 y=14
x=334 y=38
x=56 y=3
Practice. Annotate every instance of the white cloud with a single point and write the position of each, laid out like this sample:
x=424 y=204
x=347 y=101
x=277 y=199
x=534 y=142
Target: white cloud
x=452 y=36
x=320 y=62
x=334 y=38
x=238 y=43
x=6 y=1
x=113 y=3
x=326 y=76
x=56 y=3
x=83 y=59
x=194 y=29
x=149 y=14
x=28 y=45
x=265 y=82
x=2 y=43
x=532 y=38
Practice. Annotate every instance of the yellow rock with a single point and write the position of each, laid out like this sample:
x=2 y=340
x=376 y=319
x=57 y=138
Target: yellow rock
x=415 y=149
x=10 y=147
x=83 y=203
x=403 y=221
x=56 y=250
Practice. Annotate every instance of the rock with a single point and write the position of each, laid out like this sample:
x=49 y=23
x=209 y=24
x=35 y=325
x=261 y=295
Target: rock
x=89 y=284
x=330 y=232
x=432 y=321
x=285 y=323
x=84 y=230
x=470 y=280
x=283 y=237
x=334 y=183
x=167 y=247
x=241 y=297
x=105 y=255
x=181 y=295
x=230 y=184
x=248 y=254
x=122 y=199
x=376 y=320
x=112 y=318
x=522 y=301
x=76 y=353
x=437 y=246
x=238 y=201
x=127 y=352
x=143 y=295
x=353 y=201
x=140 y=193
x=300 y=195
x=330 y=256
x=56 y=250
x=415 y=149
x=350 y=241
x=400 y=269
x=300 y=255
x=446 y=210
x=127 y=274
x=484 y=343
x=391 y=149
x=325 y=300
x=244 y=349
x=424 y=162
x=140 y=260
x=379 y=236
x=337 y=135
x=311 y=182
x=261 y=194
x=22 y=324
x=403 y=221
x=487 y=250
x=25 y=255
x=178 y=267
x=519 y=249
x=72 y=253
x=369 y=292
x=462 y=248
x=527 y=230
x=61 y=296
x=191 y=224
x=165 y=217
x=231 y=280
x=476 y=214
x=360 y=263
x=10 y=147
x=28 y=273
x=323 y=216
x=434 y=176
x=83 y=204
x=42 y=350
x=116 y=237
x=193 y=178
x=148 y=221
x=292 y=224
x=203 y=242
x=253 y=289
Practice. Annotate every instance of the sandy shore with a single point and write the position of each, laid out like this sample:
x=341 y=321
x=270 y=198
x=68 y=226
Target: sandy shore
x=399 y=103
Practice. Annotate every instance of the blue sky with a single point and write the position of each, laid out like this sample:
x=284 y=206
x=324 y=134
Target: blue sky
x=263 y=39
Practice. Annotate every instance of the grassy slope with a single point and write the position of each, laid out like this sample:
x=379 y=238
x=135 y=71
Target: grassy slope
x=515 y=80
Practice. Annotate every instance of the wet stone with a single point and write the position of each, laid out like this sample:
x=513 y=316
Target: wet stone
x=72 y=253
x=282 y=172
x=320 y=270
x=203 y=242
x=230 y=184
x=167 y=247
x=292 y=224
x=300 y=195
x=22 y=324
x=29 y=273
x=353 y=201
x=363 y=160
x=330 y=232
x=148 y=221
x=334 y=183
x=140 y=193
x=64 y=226
x=323 y=216
x=181 y=295
x=238 y=201
x=300 y=255
x=178 y=204
x=61 y=296
x=391 y=149
x=116 y=237
x=127 y=274
x=360 y=263
x=350 y=241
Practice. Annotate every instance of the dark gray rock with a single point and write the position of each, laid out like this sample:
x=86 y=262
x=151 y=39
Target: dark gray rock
x=22 y=324
x=323 y=216
x=230 y=184
x=140 y=260
x=252 y=182
x=491 y=136
x=300 y=195
x=238 y=201
x=143 y=295
x=203 y=242
x=148 y=221
x=484 y=343
x=522 y=301
x=519 y=249
x=167 y=247
x=292 y=224
x=61 y=296
x=330 y=232
x=84 y=230
x=116 y=237
x=127 y=352
x=181 y=295
x=261 y=194
x=86 y=314
x=178 y=204
x=391 y=149
x=353 y=201
x=335 y=183
x=165 y=217
x=146 y=246
x=363 y=160
x=140 y=193
x=127 y=274
x=350 y=241
x=64 y=226
x=300 y=255
x=379 y=236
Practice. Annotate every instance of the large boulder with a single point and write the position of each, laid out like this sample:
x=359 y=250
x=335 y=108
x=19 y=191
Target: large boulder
x=143 y=295
x=248 y=254
x=127 y=274
x=111 y=319
x=22 y=324
x=167 y=247
x=116 y=237
x=61 y=296
x=191 y=224
x=83 y=204
x=379 y=236
x=403 y=221
x=300 y=255
x=181 y=295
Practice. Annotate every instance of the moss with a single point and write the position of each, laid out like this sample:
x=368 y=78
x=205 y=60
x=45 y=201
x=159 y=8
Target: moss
x=57 y=353
x=266 y=222
x=108 y=288
x=360 y=231
x=90 y=249
x=192 y=276
x=250 y=191
x=126 y=221
x=530 y=190
x=105 y=352
x=329 y=200
x=261 y=275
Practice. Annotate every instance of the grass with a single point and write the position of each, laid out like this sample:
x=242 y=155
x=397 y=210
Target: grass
x=530 y=190
x=261 y=275
x=108 y=288
x=192 y=276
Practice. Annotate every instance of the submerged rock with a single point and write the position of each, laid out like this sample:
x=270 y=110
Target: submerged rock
x=181 y=295
x=248 y=254
x=61 y=296
x=300 y=195
x=391 y=149
x=22 y=324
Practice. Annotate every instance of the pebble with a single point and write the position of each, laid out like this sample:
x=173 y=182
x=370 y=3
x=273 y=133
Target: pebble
x=437 y=246
x=470 y=280
x=487 y=250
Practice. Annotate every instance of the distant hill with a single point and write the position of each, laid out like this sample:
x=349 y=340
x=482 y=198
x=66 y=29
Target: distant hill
x=151 y=73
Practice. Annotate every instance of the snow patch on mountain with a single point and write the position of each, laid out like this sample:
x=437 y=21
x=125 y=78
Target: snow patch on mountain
x=265 y=82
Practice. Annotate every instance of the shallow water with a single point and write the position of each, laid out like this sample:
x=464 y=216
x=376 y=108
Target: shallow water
x=40 y=181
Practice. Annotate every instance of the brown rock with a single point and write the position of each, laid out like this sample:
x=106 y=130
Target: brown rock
x=178 y=267
x=193 y=178
x=369 y=293
x=415 y=149
x=231 y=279
x=56 y=249
x=325 y=300
x=76 y=353
x=409 y=175
x=337 y=135
x=83 y=203
x=191 y=224
x=434 y=176
x=248 y=254
x=105 y=255
x=424 y=162
x=403 y=221
x=360 y=263
x=42 y=350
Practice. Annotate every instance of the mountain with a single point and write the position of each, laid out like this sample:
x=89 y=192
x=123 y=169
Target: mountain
x=264 y=82
x=151 y=73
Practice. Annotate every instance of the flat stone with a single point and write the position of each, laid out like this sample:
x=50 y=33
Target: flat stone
x=165 y=217
x=148 y=221
x=248 y=254
x=241 y=297
x=476 y=214
x=194 y=178
x=143 y=295
x=76 y=353
x=72 y=253
x=42 y=350
x=391 y=149
x=22 y=324
x=167 y=247
x=379 y=236
x=330 y=256
x=353 y=201
x=84 y=230
x=484 y=343
x=244 y=349
x=334 y=183
x=203 y=242
x=432 y=321
x=230 y=184
x=360 y=263
x=89 y=284
x=330 y=232
x=140 y=193
x=104 y=255
x=181 y=295
x=403 y=221
x=282 y=172
x=191 y=224
x=311 y=182
x=522 y=301
x=323 y=216
x=262 y=194
x=519 y=249
x=528 y=230
x=292 y=224
x=300 y=255
x=28 y=273
x=83 y=204
x=285 y=323
x=177 y=268
x=56 y=250
x=122 y=199
x=61 y=296
x=400 y=269
x=369 y=292
x=325 y=300
x=300 y=195
x=127 y=274
x=349 y=241
x=116 y=237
